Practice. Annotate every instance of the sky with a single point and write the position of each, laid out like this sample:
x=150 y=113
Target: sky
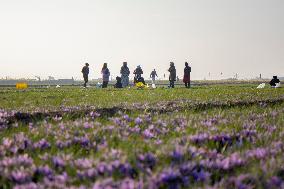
x=56 y=37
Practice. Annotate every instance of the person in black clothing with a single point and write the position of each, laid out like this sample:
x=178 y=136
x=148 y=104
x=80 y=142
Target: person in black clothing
x=85 y=72
x=186 y=77
x=118 y=83
x=274 y=81
x=138 y=74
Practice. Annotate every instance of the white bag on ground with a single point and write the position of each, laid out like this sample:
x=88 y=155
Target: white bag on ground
x=277 y=85
x=261 y=86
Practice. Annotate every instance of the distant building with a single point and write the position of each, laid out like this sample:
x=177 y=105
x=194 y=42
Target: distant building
x=51 y=78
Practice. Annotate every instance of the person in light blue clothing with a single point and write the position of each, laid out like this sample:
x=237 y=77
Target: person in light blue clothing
x=124 y=71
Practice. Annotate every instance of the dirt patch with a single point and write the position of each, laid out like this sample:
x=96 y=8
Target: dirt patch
x=160 y=108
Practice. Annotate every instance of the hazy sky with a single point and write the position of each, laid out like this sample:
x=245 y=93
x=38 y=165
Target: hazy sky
x=56 y=37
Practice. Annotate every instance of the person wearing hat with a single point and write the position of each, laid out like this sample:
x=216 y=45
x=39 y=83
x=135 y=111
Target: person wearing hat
x=274 y=81
x=137 y=74
x=186 y=76
x=85 y=72
x=124 y=71
x=173 y=74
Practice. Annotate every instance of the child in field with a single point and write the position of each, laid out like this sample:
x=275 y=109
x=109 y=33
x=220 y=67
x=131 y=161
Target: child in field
x=118 y=83
x=172 y=77
x=186 y=77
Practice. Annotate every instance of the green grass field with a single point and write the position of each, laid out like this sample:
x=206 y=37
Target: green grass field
x=219 y=136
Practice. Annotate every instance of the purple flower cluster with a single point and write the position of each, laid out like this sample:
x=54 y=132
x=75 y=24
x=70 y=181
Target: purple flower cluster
x=173 y=149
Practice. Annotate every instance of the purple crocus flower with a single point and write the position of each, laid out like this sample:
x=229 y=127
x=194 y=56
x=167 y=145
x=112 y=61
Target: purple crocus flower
x=138 y=121
x=42 y=144
x=44 y=170
x=20 y=177
x=58 y=162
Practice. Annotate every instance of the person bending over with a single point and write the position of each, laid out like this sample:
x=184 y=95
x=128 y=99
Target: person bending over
x=274 y=81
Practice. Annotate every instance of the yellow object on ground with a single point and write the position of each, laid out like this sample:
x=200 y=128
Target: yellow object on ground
x=140 y=85
x=21 y=85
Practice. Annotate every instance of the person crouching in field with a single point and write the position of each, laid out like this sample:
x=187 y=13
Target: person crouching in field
x=118 y=83
x=85 y=72
x=274 y=82
x=124 y=71
x=173 y=74
x=138 y=75
x=153 y=76
x=186 y=76
x=105 y=73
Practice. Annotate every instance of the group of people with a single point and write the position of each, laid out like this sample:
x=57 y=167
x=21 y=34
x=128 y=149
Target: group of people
x=123 y=80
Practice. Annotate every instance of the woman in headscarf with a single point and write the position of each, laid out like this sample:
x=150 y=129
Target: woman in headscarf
x=124 y=71
x=186 y=76
x=105 y=73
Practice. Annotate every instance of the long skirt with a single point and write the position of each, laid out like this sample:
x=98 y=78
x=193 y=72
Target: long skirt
x=124 y=81
x=186 y=79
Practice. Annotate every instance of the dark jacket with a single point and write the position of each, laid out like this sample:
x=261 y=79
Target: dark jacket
x=85 y=70
x=187 y=71
x=153 y=74
x=274 y=81
x=118 y=83
x=138 y=72
x=173 y=73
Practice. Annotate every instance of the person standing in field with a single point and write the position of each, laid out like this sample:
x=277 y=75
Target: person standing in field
x=186 y=76
x=173 y=74
x=153 y=76
x=85 y=72
x=105 y=73
x=124 y=71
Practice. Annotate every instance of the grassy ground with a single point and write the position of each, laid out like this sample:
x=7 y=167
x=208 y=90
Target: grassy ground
x=68 y=96
x=218 y=136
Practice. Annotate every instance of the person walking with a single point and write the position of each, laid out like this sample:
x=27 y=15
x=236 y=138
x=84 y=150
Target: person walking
x=186 y=76
x=124 y=71
x=105 y=73
x=172 y=77
x=85 y=71
x=153 y=76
